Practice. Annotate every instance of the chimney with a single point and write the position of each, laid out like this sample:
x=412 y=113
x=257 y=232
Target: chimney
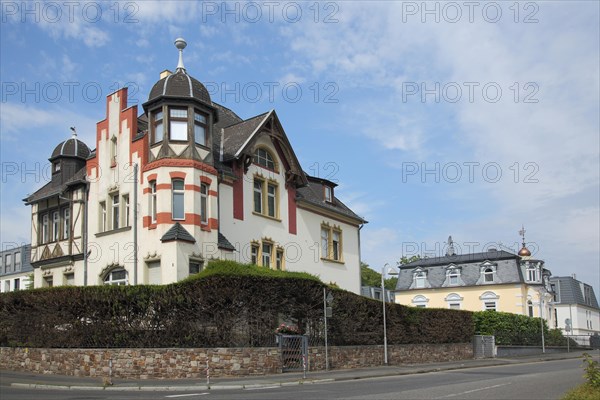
x=574 y=276
x=165 y=73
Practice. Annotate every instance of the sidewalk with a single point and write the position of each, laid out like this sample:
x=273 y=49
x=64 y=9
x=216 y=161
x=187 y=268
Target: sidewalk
x=30 y=380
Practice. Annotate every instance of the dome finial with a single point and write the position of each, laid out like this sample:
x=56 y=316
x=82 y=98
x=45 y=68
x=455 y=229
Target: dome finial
x=181 y=44
x=524 y=252
x=74 y=131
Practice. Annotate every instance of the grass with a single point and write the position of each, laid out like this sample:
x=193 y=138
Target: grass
x=583 y=392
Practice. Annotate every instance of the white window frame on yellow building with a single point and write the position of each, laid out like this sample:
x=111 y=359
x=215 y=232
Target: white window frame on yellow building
x=420 y=301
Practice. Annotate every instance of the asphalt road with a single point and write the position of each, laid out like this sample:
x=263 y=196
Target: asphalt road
x=543 y=380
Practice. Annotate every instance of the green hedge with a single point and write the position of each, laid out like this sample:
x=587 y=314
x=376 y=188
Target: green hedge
x=226 y=305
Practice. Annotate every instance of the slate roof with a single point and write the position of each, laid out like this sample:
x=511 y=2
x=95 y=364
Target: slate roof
x=507 y=269
x=177 y=232
x=313 y=194
x=71 y=147
x=570 y=291
x=180 y=84
x=224 y=243
x=52 y=189
x=237 y=134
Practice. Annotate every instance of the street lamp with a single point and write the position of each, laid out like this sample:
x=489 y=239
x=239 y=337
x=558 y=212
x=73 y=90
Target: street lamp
x=541 y=292
x=390 y=271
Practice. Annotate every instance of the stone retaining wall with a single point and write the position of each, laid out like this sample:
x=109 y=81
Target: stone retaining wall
x=191 y=363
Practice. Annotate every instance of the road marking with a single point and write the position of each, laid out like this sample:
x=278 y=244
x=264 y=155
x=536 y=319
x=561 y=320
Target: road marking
x=264 y=387
x=473 y=390
x=186 y=395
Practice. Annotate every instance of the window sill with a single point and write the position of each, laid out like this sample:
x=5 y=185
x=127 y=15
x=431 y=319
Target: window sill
x=118 y=230
x=331 y=260
x=266 y=216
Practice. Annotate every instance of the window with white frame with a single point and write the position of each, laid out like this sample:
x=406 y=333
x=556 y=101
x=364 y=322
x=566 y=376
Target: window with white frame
x=115 y=210
x=102 y=216
x=419 y=279
x=254 y=253
x=204 y=203
x=55 y=226
x=66 y=223
x=267 y=249
x=45 y=228
x=17 y=261
x=420 y=301
x=530 y=308
x=488 y=275
x=154 y=273
x=532 y=272
x=279 y=259
x=153 y=202
x=452 y=275
x=489 y=301
x=264 y=158
x=454 y=301
x=117 y=277
x=200 y=128
x=158 y=127
x=127 y=213
x=178 y=199
x=17 y=284
x=328 y=192
x=178 y=124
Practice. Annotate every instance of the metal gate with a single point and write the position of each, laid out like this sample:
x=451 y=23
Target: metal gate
x=294 y=352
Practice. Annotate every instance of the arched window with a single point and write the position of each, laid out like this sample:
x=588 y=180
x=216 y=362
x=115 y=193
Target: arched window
x=530 y=308
x=420 y=301
x=454 y=301
x=117 y=276
x=490 y=301
x=264 y=158
x=488 y=275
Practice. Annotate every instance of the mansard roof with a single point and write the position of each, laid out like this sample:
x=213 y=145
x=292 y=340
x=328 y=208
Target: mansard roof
x=570 y=291
x=492 y=255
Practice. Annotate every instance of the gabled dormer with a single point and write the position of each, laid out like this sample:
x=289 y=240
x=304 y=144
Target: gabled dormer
x=420 y=280
x=488 y=273
x=453 y=276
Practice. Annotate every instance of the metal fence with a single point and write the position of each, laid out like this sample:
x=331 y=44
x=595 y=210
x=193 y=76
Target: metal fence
x=294 y=352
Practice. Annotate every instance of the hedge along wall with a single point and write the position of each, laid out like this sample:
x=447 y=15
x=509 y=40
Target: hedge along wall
x=227 y=305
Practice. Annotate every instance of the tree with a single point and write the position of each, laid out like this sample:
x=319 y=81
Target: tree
x=370 y=277
x=405 y=260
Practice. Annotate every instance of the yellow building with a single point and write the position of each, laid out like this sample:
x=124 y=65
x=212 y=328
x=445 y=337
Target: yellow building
x=492 y=280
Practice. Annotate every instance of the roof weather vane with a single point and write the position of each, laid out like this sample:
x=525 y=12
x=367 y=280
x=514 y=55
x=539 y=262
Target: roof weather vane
x=74 y=131
x=181 y=44
x=522 y=233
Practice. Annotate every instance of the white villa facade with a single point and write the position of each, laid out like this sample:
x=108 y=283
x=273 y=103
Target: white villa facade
x=185 y=181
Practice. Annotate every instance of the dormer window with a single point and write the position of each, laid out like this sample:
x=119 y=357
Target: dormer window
x=488 y=275
x=328 y=192
x=56 y=166
x=419 y=279
x=178 y=123
x=157 y=123
x=532 y=273
x=263 y=158
x=200 y=128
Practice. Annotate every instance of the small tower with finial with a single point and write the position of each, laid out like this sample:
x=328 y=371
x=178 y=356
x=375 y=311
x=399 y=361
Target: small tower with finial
x=181 y=44
x=524 y=252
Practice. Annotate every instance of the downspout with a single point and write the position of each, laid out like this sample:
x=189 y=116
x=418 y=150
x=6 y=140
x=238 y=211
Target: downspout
x=85 y=233
x=135 y=232
x=359 y=258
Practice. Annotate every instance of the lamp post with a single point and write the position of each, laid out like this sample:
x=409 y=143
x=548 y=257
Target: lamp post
x=327 y=300
x=541 y=292
x=391 y=272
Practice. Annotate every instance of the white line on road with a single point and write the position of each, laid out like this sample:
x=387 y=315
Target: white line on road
x=264 y=387
x=473 y=390
x=186 y=395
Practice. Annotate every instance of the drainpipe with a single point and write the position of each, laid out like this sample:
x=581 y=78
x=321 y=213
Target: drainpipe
x=135 y=232
x=85 y=233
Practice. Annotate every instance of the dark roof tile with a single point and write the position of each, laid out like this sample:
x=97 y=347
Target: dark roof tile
x=177 y=232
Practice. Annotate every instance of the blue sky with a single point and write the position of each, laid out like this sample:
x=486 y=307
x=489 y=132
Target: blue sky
x=435 y=118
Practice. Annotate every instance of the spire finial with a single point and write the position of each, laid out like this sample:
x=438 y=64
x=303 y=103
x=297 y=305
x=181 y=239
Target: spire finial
x=74 y=131
x=181 y=44
x=522 y=233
